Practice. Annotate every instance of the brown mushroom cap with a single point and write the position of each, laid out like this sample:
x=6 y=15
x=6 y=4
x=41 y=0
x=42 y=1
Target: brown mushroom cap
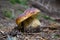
x=28 y=13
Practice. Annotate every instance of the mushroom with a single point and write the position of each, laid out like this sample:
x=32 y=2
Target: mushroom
x=28 y=19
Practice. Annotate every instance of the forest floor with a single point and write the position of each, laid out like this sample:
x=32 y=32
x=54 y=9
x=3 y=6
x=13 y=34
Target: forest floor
x=50 y=30
x=46 y=33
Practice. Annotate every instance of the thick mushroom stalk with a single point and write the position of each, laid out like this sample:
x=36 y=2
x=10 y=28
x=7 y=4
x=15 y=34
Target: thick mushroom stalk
x=35 y=23
x=29 y=19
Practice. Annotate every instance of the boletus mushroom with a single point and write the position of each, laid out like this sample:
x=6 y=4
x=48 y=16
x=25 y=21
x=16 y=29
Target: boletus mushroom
x=28 y=21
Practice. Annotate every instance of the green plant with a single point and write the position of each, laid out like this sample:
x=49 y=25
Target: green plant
x=8 y=13
x=14 y=1
x=24 y=2
x=55 y=36
x=47 y=17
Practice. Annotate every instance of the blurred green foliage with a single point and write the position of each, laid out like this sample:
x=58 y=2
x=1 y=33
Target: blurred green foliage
x=24 y=2
x=8 y=14
x=14 y=1
x=46 y=17
x=55 y=35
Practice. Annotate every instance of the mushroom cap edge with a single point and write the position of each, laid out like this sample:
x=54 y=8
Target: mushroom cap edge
x=27 y=13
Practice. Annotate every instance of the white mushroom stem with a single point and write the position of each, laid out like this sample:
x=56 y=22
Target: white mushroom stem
x=35 y=23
